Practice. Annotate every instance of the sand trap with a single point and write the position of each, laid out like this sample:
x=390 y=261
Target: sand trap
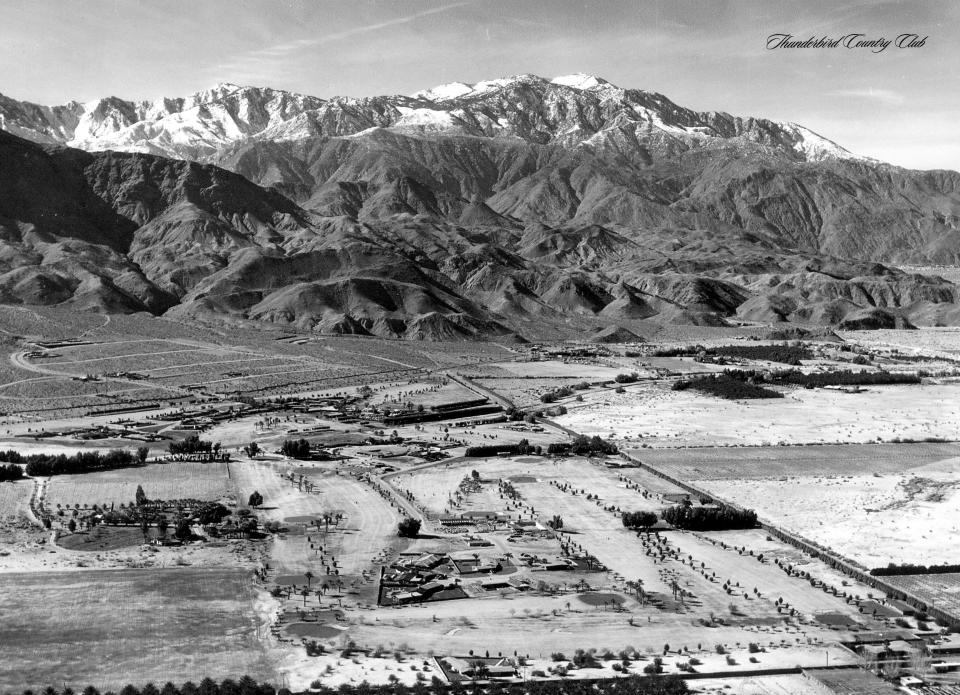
x=314 y=630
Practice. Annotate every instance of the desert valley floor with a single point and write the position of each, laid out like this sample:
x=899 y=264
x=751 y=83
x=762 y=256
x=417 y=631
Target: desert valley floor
x=256 y=529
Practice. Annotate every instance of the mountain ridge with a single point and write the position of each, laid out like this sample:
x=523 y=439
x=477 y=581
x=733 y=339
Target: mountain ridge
x=228 y=113
x=513 y=207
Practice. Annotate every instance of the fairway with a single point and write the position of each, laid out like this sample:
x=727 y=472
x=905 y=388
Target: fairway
x=107 y=628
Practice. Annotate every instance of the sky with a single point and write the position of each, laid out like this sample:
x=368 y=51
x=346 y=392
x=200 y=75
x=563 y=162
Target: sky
x=898 y=105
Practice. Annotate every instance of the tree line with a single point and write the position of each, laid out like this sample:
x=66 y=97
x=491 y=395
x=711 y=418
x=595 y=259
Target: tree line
x=193 y=445
x=709 y=518
x=582 y=445
x=632 y=685
x=841 y=377
x=81 y=462
x=893 y=569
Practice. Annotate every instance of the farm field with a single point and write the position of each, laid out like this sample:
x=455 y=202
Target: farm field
x=166 y=481
x=737 y=463
x=14 y=498
x=15 y=524
x=939 y=590
x=110 y=627
x=652 y=414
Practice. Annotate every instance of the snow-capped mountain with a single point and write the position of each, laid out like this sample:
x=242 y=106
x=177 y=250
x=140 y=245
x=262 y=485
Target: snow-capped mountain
x=571 y=109
x=517 y=205
x=192 y=127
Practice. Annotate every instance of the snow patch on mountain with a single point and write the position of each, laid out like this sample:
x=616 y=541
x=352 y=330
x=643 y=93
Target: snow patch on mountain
x=579 y=81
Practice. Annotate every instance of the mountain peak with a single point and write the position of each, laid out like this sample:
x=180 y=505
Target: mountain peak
x=579 y=80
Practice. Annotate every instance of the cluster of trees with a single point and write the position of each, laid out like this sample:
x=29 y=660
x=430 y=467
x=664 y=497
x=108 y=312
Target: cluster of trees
x=11 y=471
x=893 y=569
x=194 y=445
x=582 y=445
x=709 y=518
x=725 y=385
x=82 y=462
x=563 y=392
x=296 y=448
x=842 y=378
x=409 y=528
x=151 y=511
x=639 y=519
x=786 y=354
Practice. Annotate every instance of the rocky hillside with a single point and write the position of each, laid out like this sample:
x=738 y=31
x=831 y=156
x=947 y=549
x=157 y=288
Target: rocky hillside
x=513 y=206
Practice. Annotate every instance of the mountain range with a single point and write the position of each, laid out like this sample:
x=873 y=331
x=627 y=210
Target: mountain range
x=520 y=206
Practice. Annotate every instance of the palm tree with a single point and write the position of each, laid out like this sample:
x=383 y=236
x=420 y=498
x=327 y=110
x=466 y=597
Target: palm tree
x=309 y=576
x=305 y=593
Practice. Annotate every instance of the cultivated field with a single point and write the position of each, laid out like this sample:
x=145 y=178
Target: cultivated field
x=15 y=524
x=165 y=481
x=938 y=590
x=729 y=463
x=113 y=627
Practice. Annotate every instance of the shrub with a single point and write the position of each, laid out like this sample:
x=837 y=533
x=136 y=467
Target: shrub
x=558 y=656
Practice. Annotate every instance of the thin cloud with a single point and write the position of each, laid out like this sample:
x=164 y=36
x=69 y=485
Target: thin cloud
x=293 y=46
x=886 y=97
x=269 y=62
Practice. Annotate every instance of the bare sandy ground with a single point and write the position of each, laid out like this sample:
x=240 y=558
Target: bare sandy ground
x=872 y=519
x=655 y=415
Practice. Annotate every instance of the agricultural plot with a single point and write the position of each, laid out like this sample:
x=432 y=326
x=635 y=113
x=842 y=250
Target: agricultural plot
x=167 y=481
x=584 y=370
x=14 y=497
x=938 y=590
x=422 y=393
x=653 y=414
x=108 y=628
x=15 y=524
x=526 y=392
x=737 y=463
